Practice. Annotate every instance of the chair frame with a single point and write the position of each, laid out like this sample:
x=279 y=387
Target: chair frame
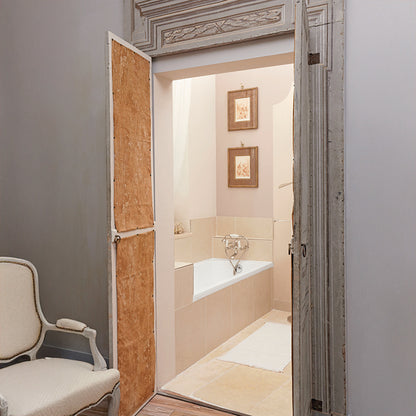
x=99 y=362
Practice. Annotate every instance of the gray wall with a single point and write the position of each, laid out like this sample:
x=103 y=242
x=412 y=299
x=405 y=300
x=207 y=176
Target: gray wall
x=380 y=144
x=53 y=151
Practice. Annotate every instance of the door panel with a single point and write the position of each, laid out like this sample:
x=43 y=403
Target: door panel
x=133 y=207
x=131 y=235
x=302 y=362
x=135 y=321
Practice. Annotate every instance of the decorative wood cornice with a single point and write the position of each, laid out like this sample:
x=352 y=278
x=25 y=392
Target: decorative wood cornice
x=222 y=26
x=165 y=27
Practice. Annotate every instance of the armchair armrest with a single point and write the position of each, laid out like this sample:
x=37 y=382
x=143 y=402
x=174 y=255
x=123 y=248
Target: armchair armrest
x=3 y=406
x=76 y=327
x=70 y=324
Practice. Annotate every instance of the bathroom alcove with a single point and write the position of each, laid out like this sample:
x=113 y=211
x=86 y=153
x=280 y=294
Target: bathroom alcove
x=228 y=59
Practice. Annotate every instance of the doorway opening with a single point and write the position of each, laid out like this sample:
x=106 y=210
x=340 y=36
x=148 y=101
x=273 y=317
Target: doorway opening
x=225 y=316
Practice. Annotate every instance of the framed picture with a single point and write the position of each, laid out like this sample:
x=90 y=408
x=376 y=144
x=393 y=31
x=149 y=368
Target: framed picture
x=243 y=167
x=242 y=109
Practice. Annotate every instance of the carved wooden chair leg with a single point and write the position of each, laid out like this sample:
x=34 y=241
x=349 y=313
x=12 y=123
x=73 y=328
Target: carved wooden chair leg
x=114 y=402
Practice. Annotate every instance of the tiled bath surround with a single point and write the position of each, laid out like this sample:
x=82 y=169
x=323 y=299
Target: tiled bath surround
x=203 y=325
x=268 y=241
x=259 y=232
x=196 y=245
x=205 y=239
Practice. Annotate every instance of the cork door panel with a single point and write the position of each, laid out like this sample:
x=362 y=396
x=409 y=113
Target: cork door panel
x=135 y=321
x=133 y=206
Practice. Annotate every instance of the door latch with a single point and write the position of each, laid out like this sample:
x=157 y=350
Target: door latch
x=303 y=249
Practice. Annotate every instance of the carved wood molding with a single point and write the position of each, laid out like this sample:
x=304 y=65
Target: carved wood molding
x=320 y=15
x=221 y=26
x=165 y=27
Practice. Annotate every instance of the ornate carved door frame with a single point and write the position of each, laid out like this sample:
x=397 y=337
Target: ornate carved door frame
x=165 y=27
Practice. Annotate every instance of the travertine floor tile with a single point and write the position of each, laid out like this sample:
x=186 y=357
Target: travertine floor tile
x=197 y=376
x=278 y=403
x=241 y=388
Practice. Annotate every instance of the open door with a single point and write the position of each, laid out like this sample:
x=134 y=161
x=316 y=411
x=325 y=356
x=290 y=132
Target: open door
x=301 y=334
x=131 y=232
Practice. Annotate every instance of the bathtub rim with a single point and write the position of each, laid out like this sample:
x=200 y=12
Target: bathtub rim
x=266 y=266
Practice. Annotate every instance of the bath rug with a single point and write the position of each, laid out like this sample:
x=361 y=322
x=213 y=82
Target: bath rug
x=268 y=348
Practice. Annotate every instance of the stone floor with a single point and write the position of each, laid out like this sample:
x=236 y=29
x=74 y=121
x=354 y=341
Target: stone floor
x=238 y=387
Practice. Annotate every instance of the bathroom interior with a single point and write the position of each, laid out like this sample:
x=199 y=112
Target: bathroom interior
x=232 y=277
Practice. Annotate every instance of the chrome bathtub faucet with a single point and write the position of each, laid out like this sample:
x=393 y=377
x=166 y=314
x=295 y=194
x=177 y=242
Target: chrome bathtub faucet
x=235 y=246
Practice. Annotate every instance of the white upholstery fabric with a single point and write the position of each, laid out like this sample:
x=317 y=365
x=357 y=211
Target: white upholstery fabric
x=3 y=404
x=20 y=325
x=54 y=386
x=70 y=324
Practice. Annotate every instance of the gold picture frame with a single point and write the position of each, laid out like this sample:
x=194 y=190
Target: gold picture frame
x=243 y=109
x=243 y=167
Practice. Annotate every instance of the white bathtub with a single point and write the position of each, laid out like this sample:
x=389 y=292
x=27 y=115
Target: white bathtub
x=212 y=275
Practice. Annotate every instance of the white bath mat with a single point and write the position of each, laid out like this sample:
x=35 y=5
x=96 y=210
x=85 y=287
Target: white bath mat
x=268 y=348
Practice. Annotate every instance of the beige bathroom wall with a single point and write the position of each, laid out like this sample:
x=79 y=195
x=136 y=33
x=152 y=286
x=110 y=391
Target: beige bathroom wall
x=274 y=84
x=164 y=223
x=202 y=149
x=282 y=282
x=195 y=149
x=282 y=201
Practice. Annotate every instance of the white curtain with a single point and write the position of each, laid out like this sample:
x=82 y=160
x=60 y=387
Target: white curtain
x=181 y=109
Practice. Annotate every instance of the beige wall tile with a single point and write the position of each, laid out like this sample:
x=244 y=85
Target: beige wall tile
x=218 y=318
x=190 y=328
x=184 y=286
x=218 y=248
x=282 y=306
x=203 y=229
x=183 y=249
x=225 y=225
x=242 y=304
x=254 y=227
x=260 y=250
x=282 y=290
x=262 y=293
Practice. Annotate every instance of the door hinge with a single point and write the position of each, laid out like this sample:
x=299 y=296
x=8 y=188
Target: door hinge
x=316 y=405
x=291 y=246
x=314 y=58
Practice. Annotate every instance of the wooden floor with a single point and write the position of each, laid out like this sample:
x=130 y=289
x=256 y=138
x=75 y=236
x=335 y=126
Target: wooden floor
x=167 y=406
x=163 y=406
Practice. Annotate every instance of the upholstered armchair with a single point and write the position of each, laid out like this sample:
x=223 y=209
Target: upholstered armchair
x=48 y=386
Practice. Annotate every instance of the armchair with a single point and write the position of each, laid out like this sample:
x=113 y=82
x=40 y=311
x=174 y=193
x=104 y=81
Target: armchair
x=48 y=386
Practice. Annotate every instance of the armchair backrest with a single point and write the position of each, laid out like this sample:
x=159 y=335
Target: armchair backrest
x=21 y=319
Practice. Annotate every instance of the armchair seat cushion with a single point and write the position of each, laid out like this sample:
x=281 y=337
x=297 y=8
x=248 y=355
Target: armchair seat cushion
x=54 y=386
